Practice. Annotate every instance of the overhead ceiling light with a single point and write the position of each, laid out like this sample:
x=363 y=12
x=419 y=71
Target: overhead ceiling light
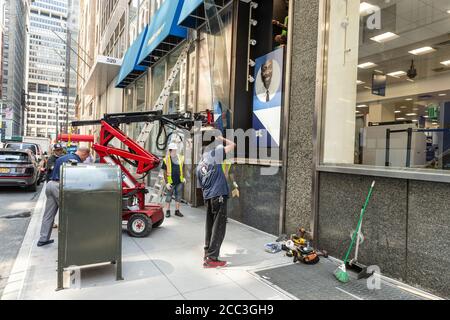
x=442 y=94
x=403 y=107
x=385 y=37
x=415 y=120
x=399 y=119
x=411 y=114
x=397 y=74
x=448 y=11
x=397 y=111
x=446 y=63
x=367 y=8
x=367 y=65
x=421 y=51
x=359 y=82
x=409 y=99
x=379 y=71
x=362 y=106
x=426 y=117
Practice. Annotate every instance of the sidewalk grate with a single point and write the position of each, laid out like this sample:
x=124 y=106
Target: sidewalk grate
x=317 y=282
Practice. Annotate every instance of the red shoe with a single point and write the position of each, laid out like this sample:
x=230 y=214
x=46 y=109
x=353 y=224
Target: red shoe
x=212 y=264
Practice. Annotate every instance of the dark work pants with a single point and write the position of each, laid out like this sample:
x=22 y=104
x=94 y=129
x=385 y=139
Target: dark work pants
x=216 y=225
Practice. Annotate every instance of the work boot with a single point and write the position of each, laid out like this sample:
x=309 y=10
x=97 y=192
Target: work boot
x=179 y=214
x=168 y=214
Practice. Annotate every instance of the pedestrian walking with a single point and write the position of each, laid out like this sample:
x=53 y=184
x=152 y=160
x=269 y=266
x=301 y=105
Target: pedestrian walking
x=213 y=182
x=52 y=193
x=173 y=167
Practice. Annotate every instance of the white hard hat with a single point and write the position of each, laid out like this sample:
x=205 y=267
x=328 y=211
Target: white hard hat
x=173 y=146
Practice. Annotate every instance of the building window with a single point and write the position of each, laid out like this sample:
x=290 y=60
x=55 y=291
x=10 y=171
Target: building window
x=387 y=90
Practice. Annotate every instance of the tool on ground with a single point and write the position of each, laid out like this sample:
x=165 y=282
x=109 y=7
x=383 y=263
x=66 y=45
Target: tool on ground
x=354 y=264
x=341 y=273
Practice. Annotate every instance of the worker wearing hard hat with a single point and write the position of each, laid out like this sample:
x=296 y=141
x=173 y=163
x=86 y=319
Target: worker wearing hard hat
x=173 y=167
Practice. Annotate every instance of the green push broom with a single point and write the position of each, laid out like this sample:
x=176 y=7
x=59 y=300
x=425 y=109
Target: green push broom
x=341 y=273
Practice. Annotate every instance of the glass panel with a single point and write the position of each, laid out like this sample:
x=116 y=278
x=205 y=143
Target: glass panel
x=215 y=61
x=387 y=100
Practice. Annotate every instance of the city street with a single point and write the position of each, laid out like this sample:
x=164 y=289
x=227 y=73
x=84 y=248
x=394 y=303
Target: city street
x=16 y=206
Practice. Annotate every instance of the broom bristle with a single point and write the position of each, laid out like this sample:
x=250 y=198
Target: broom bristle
x=342 y=275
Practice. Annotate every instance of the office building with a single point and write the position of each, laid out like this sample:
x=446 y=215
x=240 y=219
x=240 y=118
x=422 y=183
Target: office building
x=51 y=67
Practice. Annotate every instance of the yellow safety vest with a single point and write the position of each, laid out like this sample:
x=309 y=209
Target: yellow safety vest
x=168 y=163
x=226 y=167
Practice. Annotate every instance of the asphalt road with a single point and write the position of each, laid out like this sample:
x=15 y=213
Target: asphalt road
x=16 y=206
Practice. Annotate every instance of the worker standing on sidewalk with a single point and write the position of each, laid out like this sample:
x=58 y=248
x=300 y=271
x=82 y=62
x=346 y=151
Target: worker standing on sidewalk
x=213 y=182
x=173 y=167
x=52 y=193
x=58 y=151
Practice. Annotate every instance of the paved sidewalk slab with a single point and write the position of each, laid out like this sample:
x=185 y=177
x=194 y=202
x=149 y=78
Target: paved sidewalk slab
x=166 y=265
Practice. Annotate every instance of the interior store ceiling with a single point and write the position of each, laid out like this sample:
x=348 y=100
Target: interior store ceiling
x=418 y=23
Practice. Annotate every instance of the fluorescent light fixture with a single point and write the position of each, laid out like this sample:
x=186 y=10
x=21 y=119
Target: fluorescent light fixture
x=403 y=107
x=426 y=117
x=367 y=65
x=362 y=106
x=446 y=63
x=399 y=119
x=415 y=120
x=409 y=99
x=397 y=111
x=367 y=8
x=411 y=114
x=379 y=71
x=421 y=51
x=442 y=94
x=385 y=37
x=359 y=82
x=397 y=74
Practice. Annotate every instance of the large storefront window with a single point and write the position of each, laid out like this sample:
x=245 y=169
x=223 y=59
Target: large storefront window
x=214 y=63
x=387 y=90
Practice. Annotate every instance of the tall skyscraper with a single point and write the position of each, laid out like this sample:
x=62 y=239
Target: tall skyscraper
x=51 y=69
x=13 y=100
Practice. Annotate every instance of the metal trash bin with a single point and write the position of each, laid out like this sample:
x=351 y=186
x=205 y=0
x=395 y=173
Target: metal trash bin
x=90 y=217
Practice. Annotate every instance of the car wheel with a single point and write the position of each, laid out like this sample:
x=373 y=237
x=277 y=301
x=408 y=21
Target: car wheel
x=33 y=187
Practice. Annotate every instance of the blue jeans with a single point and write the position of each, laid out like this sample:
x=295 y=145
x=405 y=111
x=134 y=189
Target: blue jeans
x=176 y=190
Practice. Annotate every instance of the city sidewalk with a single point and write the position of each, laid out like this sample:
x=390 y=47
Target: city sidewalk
x=166 y=265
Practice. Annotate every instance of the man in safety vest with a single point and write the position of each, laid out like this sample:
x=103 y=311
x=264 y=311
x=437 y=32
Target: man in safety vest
x=173 y=167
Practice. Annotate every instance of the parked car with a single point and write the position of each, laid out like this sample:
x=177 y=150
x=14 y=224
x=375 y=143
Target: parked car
x=19 y=168
x=34 y=147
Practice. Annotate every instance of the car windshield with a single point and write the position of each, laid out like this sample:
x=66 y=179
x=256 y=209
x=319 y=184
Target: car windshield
x=22 y=146
x=14 y=157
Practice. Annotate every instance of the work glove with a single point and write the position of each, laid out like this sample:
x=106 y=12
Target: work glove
x=169 y=186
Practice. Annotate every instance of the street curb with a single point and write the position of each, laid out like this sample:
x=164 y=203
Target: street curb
x=16 y=280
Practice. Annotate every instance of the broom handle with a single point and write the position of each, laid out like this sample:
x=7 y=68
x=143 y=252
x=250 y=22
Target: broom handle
x=359 y=223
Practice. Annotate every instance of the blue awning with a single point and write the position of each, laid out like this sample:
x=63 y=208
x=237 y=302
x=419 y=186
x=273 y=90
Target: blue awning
x=193 y=13
x=164 y=33
x=130 y=69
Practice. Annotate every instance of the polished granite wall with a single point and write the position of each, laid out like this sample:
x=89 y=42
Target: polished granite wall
x=406 y=226
x=259 y=203
x=301 y=115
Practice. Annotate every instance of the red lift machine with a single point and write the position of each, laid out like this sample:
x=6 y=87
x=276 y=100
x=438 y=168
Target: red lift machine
x=140 y=217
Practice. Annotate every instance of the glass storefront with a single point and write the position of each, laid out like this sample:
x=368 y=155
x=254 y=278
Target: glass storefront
x=387 y=84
